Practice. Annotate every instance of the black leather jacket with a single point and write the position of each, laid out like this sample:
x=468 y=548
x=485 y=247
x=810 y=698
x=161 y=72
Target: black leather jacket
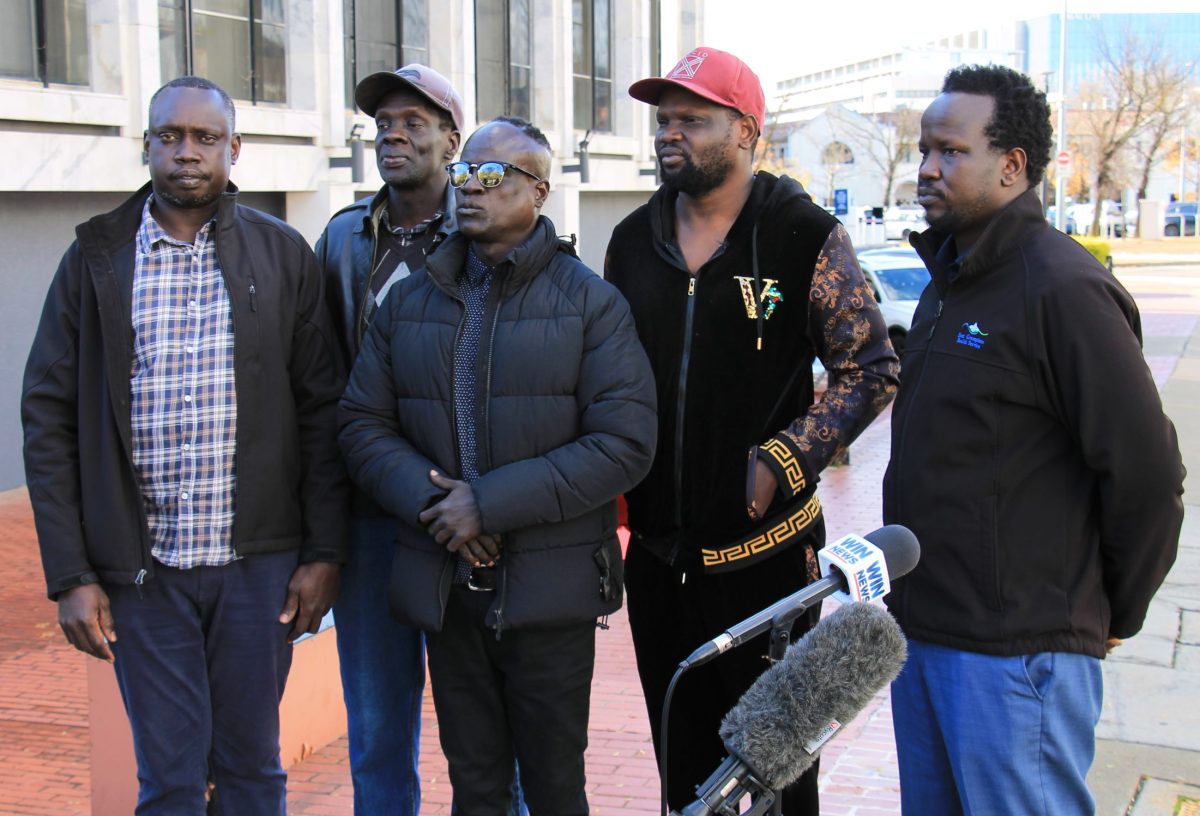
x=346 y=253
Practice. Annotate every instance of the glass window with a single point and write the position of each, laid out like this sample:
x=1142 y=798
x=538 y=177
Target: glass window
x=592 y=61
x=18 y=41
x=172 y=38
x=239 y=44
x=520 y=60
x=382 y=35
x=44 y=40
x=503 y=59
x=414 y=34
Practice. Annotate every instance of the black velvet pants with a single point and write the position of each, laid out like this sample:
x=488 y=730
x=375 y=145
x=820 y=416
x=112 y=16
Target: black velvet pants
x=670 y=618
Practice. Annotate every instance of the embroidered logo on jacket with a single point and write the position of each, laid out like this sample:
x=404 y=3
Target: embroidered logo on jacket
x=770 y=298
x=971 y=335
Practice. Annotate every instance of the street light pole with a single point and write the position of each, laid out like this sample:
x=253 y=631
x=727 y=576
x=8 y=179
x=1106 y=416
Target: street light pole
x=1060 y=183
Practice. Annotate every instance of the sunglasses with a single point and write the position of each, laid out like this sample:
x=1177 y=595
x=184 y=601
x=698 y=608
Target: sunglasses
x=490 y=173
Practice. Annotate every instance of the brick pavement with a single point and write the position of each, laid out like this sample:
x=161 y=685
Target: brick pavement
x=43 y=699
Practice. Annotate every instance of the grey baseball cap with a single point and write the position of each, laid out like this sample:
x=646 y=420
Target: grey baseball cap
x=415 y=77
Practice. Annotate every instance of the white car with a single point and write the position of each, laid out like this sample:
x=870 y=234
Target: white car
x=898 y=222
x=898 y=276
x=1112 y=221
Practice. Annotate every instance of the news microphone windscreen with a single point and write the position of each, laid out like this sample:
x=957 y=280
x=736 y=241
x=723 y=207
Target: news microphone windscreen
x=827 y=677
x=900 y=548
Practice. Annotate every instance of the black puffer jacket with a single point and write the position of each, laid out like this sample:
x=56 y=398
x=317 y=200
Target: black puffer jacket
x=568 y=401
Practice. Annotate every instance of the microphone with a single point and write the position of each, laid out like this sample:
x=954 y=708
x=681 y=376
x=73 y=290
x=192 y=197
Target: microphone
x=855 y=569
x=776 y=731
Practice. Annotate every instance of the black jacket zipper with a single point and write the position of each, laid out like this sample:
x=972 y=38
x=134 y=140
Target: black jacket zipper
x=681 y=400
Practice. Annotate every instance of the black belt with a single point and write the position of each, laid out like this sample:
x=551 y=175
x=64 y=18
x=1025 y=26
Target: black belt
x=481 y=579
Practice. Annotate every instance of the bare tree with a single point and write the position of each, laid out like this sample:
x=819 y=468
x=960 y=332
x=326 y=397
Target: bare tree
x=1128 y=105
x=834 y=158
x=888 y=140
x=1168 y=83
x=772 y=142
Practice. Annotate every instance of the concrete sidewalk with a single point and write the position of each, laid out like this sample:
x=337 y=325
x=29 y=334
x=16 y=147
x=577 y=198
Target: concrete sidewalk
x=1148 y=748
x=1148 y=758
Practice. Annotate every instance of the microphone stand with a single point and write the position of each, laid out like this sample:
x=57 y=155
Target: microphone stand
x=781 y=638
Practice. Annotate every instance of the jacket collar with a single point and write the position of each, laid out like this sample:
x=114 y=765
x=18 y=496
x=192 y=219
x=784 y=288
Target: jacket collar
x=105 y=233
x=374 y=212
x=767 y=193
x=1001 y=238
x=521 y=265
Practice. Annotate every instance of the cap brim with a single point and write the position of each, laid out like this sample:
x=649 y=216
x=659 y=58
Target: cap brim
x=651 y=90
x=372 y=89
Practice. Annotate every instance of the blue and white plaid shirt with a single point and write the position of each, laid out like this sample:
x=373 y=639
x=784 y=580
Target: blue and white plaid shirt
x=184 y=400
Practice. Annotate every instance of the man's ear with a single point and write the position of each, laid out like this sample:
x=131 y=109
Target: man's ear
x=452 y=146
x=1016 y=161
x=748 y=131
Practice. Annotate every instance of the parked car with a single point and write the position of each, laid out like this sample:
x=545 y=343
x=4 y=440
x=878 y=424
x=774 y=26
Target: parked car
x=1068 y=220
x=899 y=221
x=1112 y=221
x=898 y=276
x=1180 y=219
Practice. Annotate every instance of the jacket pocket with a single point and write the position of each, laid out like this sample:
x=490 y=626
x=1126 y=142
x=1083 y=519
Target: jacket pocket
x=569 y=584
x=987 y=566
x=416 y=587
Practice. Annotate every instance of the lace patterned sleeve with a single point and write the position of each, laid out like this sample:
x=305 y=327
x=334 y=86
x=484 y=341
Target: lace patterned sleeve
x=851 y=342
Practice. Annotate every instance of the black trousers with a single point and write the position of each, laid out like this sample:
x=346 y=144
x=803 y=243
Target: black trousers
x=529 y=691
x=669 y=619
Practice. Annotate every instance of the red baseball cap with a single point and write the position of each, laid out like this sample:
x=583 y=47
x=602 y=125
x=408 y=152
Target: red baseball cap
x=415 y=77
x=718 y=76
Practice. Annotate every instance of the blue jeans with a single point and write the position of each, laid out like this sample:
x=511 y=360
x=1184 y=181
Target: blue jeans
x=979 y=735
x=383 y=677
x=202 y=659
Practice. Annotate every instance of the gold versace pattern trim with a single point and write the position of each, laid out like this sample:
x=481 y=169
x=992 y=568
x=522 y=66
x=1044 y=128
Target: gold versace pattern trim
x=755 y=547
x=788 y=462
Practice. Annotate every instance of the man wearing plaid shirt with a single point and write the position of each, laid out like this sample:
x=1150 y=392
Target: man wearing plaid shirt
x=181 y=460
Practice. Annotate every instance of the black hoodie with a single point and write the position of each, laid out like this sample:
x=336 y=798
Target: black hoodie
x=723 y=399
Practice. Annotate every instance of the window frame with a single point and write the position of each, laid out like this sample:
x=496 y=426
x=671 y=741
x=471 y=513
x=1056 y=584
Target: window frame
x=508 y=108
x=590 y=29
x=257 y=73
x=350 y=41
x=40 y=40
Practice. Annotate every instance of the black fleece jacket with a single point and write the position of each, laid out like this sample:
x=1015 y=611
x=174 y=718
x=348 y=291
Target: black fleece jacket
x=1030 y=452
x=292 y=492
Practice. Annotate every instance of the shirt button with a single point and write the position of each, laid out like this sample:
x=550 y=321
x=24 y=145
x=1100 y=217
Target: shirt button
x=191 y=349
x=192 y=304
x=187 y=446
x=184 y=496
x=187 y=397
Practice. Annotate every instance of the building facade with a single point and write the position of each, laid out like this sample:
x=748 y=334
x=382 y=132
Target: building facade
x=76 y=77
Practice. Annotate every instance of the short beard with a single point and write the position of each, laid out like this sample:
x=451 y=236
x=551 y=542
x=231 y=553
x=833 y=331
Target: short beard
x=194 y=202
x=696 y=181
